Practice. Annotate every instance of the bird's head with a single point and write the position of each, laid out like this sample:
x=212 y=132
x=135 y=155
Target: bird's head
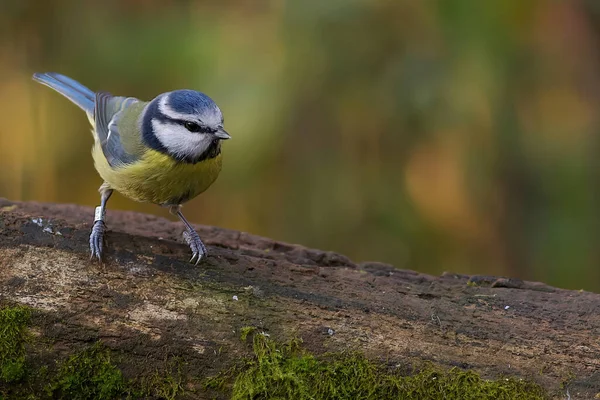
x=185 y=124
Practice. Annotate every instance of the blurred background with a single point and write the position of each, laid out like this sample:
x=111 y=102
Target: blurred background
x=446 y=135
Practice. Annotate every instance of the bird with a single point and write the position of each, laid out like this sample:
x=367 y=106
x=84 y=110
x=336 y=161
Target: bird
x=165 y=151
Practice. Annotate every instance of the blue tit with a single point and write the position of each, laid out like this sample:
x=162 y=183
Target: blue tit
x=165 y=151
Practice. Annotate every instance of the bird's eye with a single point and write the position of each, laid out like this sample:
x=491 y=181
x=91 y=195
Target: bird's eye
x=192 y=127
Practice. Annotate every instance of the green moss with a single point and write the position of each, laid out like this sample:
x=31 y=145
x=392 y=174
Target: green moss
x=220 y=381
x=245 y=331
x=166 y=387
x=282 y=372
x=166 y=384
x=88 y=374
x=91 y=374
x=13 y=337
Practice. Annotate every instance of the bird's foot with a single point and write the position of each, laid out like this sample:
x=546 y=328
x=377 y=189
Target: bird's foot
x=97 y=240
x=196 y=245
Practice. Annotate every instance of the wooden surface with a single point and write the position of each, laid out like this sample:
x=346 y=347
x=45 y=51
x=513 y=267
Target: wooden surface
x=148 y=303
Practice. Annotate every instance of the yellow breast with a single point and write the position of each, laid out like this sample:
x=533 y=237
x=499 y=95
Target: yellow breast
x=157 y=178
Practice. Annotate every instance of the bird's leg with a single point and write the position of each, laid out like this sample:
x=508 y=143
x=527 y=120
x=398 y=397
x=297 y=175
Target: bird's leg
x=97 y=235
x=190 y=236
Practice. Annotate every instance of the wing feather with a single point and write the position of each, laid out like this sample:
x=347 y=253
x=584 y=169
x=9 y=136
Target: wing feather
x=108 y=114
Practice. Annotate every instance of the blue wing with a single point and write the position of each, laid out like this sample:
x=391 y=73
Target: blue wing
x=102 y=108
x=108 y=112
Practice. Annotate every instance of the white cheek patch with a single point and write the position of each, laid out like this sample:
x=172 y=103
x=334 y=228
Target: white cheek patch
x=179 y=141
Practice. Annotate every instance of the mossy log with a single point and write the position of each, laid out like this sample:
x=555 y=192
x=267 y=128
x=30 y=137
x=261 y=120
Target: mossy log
x=147 y=304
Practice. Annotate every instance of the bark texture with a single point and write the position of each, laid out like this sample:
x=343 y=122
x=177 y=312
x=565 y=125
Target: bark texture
x=148 y=303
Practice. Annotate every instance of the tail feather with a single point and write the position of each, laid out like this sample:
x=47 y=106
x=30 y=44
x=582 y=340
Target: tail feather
x=70 y=88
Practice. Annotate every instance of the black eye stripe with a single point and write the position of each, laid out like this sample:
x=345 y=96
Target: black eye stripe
x=194 y=127
x=191 y=126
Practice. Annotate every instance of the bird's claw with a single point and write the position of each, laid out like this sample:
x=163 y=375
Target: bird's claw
x=97 y=240
x=196 y=245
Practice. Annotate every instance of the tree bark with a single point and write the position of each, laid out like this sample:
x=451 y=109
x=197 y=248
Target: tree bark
x=148 y=303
